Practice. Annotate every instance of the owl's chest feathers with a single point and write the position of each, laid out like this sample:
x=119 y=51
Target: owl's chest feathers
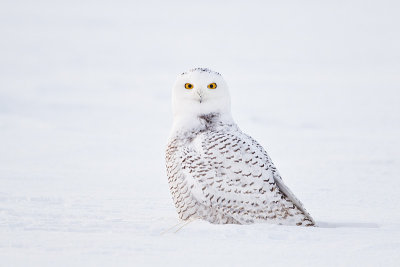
x=208 y=124
x=193 y=149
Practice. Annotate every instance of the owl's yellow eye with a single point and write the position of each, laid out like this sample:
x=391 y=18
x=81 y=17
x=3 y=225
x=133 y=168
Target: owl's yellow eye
x=212 y=85
x=188 y=86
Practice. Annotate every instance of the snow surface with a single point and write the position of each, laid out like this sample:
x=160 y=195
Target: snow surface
x=85 y=90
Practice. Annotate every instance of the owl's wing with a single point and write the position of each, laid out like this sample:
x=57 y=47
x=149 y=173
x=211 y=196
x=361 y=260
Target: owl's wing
x=278 y=180
x=229 y=172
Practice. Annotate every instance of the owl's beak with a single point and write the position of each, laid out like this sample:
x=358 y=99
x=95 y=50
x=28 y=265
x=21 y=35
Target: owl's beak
x=200 y=94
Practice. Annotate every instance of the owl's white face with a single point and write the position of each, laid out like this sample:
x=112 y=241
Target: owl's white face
x=198 y=92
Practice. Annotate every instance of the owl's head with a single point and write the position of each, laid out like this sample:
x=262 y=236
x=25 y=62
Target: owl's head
x=200 y=92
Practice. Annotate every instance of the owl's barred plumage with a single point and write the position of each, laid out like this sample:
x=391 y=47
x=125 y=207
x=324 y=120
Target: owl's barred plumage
x=219 y=174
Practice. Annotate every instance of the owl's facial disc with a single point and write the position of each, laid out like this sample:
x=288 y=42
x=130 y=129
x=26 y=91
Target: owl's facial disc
x=200 y=91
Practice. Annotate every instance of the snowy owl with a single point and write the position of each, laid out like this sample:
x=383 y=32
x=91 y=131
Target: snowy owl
x=215 y=171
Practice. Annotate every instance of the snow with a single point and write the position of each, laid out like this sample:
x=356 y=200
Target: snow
x=85 y=113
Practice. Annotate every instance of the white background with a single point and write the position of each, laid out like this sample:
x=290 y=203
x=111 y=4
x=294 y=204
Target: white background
x=85 y=90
